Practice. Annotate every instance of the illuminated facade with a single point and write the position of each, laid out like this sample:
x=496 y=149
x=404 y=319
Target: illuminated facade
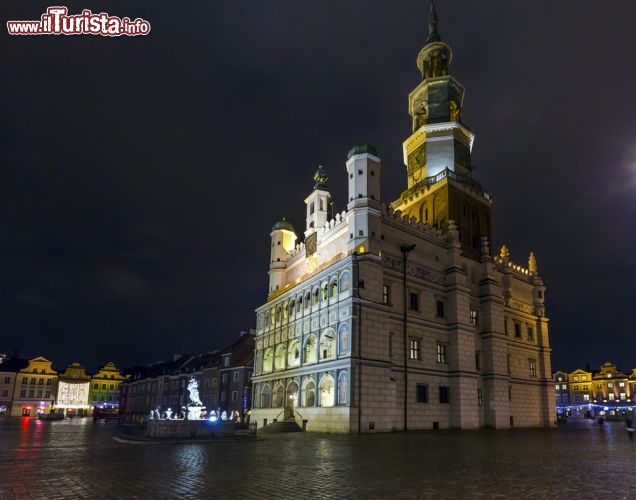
x=606 y=392
x=35 y=388
x=73 y=389
x=104 y=387
x=9 y=367
x=353 y=340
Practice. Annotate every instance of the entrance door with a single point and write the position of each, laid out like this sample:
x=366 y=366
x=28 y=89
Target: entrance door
x=292 y=398
x=26 y=411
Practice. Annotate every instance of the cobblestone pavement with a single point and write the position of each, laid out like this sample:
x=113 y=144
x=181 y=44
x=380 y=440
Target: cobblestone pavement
x=79 y=459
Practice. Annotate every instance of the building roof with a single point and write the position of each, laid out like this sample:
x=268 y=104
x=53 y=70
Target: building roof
x=283 y=224
x=362 y=148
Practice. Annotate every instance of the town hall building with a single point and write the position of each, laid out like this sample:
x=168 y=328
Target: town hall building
x=399 y=316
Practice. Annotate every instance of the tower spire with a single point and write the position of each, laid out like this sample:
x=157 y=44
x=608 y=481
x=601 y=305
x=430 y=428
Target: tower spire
x=433 y=35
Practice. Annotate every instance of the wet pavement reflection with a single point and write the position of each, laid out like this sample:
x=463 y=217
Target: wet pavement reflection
x=79 y=459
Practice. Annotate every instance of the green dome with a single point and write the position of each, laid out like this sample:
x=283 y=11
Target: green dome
x=360 y=149
x=283 y=224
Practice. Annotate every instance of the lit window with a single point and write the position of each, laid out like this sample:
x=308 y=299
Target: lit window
x=623 y=395
x=473 y=316
x=414 y=349
x=532 y=364
x=610 y=396
x=235 y=376
x=480 y=397
x=386 y=294
x=441 y=353
x=586 y=397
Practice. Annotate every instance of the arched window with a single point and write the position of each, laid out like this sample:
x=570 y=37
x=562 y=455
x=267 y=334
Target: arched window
x=258 y=362
x=309 y=392
x=344 y=345
x=277 y=399
x=285 y=311
x=266 y=396
x=316 y=295
x=279 y=358
x=293 y=356
x=311 y=349
x=343 y=388
x=333 y=288
x=292 y=306
x=259 y=321
x=277 y=315
x=272 y=317
x=299 y=304
x=345 y=281
x=257 y=396
x=327 y=391
x=328 y=344
x=325 y=291
x=307 y=304
x=268 y=360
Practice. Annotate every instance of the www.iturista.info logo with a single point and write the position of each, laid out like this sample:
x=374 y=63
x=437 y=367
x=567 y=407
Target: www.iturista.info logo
x=56 y=21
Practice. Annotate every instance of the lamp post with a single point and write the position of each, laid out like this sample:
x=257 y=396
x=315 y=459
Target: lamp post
x=406 y=249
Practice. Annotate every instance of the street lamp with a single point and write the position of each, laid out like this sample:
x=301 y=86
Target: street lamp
x=406 y=249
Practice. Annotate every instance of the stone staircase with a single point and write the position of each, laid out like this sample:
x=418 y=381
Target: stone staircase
x=287 y=425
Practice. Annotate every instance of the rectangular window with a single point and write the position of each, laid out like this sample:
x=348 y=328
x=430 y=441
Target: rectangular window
x=214 y=382
x=225 y=378
x=31 y=393
x=441 y=353
x=213 y=399
x=530 y=332
x=532 y=365
x=41 y=381
x=5 y=393
x=508 y=363
x=443 y=394
x=386 y=294
x=234 y=395
x=414 y=348
x=518 y=330
x=610 y=385
x=223 y=396
x=509 y=393
x=480 y=397
x=23 y=393
x=478 y=360
x=440 y=308
x=506 y=326
x=226 y=361
x=24 y=380
x=610 y=396
x=623 y=395
x=414 y=301
x=39 y=393
x=586 y=397
x=474 y=319
x=7 y=380
x=390 y=345
x=421 y=393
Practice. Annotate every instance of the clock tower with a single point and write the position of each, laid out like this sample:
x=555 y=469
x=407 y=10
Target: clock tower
x=440 y=186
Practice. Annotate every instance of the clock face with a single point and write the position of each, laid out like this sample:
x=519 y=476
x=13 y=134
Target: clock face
x=311 y=244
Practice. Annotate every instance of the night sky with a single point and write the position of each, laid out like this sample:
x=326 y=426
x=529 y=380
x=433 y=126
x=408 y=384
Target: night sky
x=140 y=177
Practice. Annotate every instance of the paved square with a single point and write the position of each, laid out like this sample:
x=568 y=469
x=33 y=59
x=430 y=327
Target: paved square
x=79 y=459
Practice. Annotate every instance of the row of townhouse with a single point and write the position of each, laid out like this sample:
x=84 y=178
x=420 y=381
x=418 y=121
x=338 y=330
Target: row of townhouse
x=224 y=379
x=607 y=392
x=30 y=387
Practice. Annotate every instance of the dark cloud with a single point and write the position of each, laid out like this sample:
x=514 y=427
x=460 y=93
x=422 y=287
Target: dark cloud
x=140 y=177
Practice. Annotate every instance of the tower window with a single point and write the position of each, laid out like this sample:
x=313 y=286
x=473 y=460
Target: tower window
x=386 y=294
x=360 y=233
x=359 y=172
x=321 y=205
x=350 y=176
x=312 y=208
